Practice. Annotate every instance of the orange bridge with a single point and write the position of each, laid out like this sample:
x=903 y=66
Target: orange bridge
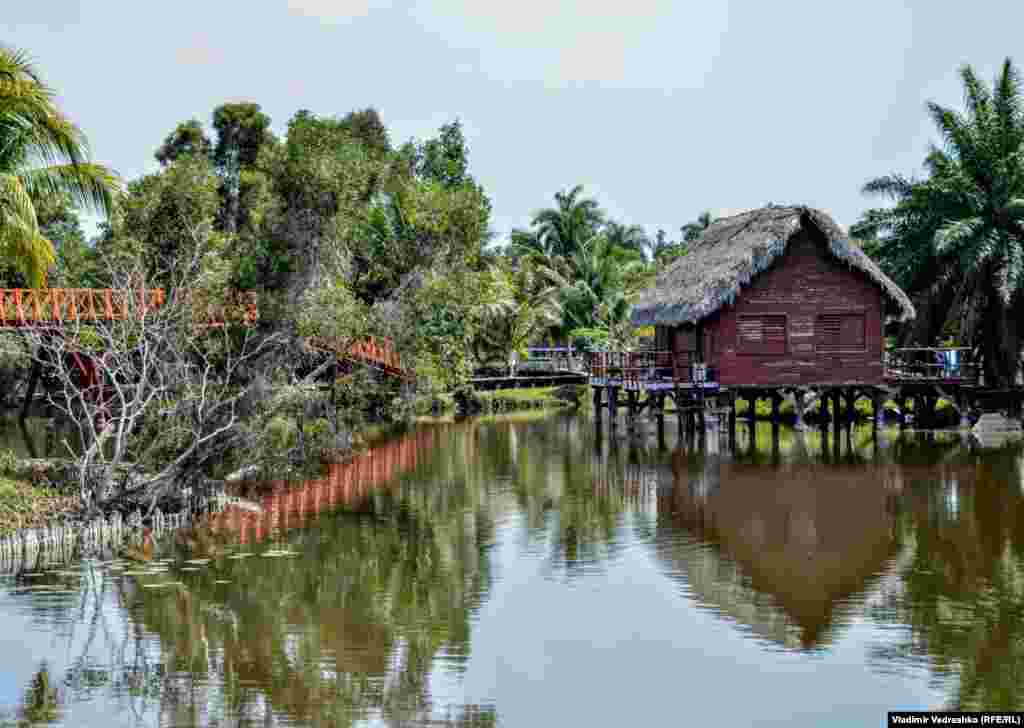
x=54 y=308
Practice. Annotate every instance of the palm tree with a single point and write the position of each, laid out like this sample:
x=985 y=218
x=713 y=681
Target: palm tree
x=563 y=229
x=42 y=155
x=627 y=237
x=958 y=235
x=693 y=230
x=597 y=300
x=525 y=305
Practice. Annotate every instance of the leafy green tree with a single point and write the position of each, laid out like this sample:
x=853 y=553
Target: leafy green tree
x=958 y=235
x=187 y=138
x=525 y=304
x=627 y=237
x=597 y=306
x=168 y=219
x=367 y=127
x=241 y=129
x=42 y=155
x=445 y=159
x=564 y=229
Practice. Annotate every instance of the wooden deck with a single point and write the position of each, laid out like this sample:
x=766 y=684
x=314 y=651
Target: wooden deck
x=666 y=370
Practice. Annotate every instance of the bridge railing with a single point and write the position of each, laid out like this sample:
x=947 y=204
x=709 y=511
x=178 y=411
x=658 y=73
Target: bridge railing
x=53 y=306
x=27 y=306
x=933 y=364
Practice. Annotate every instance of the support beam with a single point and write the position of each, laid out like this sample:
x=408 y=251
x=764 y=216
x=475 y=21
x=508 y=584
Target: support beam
x=798 y=408
x=836 y=415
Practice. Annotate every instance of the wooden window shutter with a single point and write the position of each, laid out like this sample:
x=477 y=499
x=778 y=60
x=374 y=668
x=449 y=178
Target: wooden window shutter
x=840 y=332
x=765 y=334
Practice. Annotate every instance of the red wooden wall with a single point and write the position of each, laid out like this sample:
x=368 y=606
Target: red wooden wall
x=800 y=322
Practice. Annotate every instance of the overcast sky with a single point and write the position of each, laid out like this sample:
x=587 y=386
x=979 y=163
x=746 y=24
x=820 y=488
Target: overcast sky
x=661 y=109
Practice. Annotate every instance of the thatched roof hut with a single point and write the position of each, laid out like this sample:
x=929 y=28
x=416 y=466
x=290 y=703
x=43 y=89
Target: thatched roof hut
x=734 y=250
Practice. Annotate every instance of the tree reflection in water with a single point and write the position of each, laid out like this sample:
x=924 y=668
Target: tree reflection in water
x=791 y=539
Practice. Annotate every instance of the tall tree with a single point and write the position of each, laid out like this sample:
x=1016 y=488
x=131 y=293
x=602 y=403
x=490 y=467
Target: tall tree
x=627 y=237
x=959 y=233
x=42 y=155
x=566 y=227
x=187 y=138
x=241 y=130
x=445 y=159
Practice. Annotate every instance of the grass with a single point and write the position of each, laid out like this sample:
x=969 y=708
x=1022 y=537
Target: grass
x=25 y=505
x=504 y=400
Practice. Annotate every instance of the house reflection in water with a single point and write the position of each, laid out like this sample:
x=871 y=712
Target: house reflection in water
x=786 y=551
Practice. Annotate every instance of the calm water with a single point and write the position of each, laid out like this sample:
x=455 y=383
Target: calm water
x=521 y=573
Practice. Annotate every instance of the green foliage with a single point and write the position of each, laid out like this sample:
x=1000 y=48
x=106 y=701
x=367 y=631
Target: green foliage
x=168 y=219
x=42 y=155
x=957 y=236
x=524 y=304
x=187 y=139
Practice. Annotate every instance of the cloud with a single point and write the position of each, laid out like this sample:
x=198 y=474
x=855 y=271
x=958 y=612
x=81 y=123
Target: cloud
x=336 y=11
x=200 y=52
x=569 y=42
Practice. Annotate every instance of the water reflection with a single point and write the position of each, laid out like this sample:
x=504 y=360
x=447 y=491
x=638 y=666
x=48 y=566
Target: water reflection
x=474 y=574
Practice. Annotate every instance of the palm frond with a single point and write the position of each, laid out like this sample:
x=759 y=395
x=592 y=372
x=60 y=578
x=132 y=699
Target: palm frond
x=91 y=185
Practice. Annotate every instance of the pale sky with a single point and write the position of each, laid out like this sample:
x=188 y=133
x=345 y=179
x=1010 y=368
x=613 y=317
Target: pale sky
x=661 y=109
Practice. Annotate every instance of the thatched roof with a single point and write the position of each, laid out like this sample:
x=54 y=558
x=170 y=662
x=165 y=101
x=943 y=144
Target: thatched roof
x=733 y=250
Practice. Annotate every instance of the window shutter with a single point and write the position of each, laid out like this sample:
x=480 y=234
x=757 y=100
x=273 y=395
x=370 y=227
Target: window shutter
x=761 y=334
x=840 y=331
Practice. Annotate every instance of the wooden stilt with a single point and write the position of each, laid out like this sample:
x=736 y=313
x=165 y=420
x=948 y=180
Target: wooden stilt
x=752 y=421
x=597 y=403
x=836 y=416
x=798 y=408
x=731 y=404
x=613 y=404
x=659 y=414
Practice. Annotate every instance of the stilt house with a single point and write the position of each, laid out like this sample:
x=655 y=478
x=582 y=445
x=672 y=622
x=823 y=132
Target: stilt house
x=774 y=297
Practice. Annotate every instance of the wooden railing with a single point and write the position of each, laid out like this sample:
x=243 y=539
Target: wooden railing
x=932 y=364
x=57 y=307
x=51 y=307
x=633 y=368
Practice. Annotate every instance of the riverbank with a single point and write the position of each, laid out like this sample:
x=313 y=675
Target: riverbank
x=503 y=401
x=24 y=504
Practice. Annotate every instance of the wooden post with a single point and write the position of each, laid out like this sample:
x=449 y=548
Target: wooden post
x=836 y=417
x=613 y=404
x=731 y=402
x=659 y=412
x=631 y=401
x=964 y=408
x=798 y=408
x=877 y=403
x=597 y=403
x=752 y=421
